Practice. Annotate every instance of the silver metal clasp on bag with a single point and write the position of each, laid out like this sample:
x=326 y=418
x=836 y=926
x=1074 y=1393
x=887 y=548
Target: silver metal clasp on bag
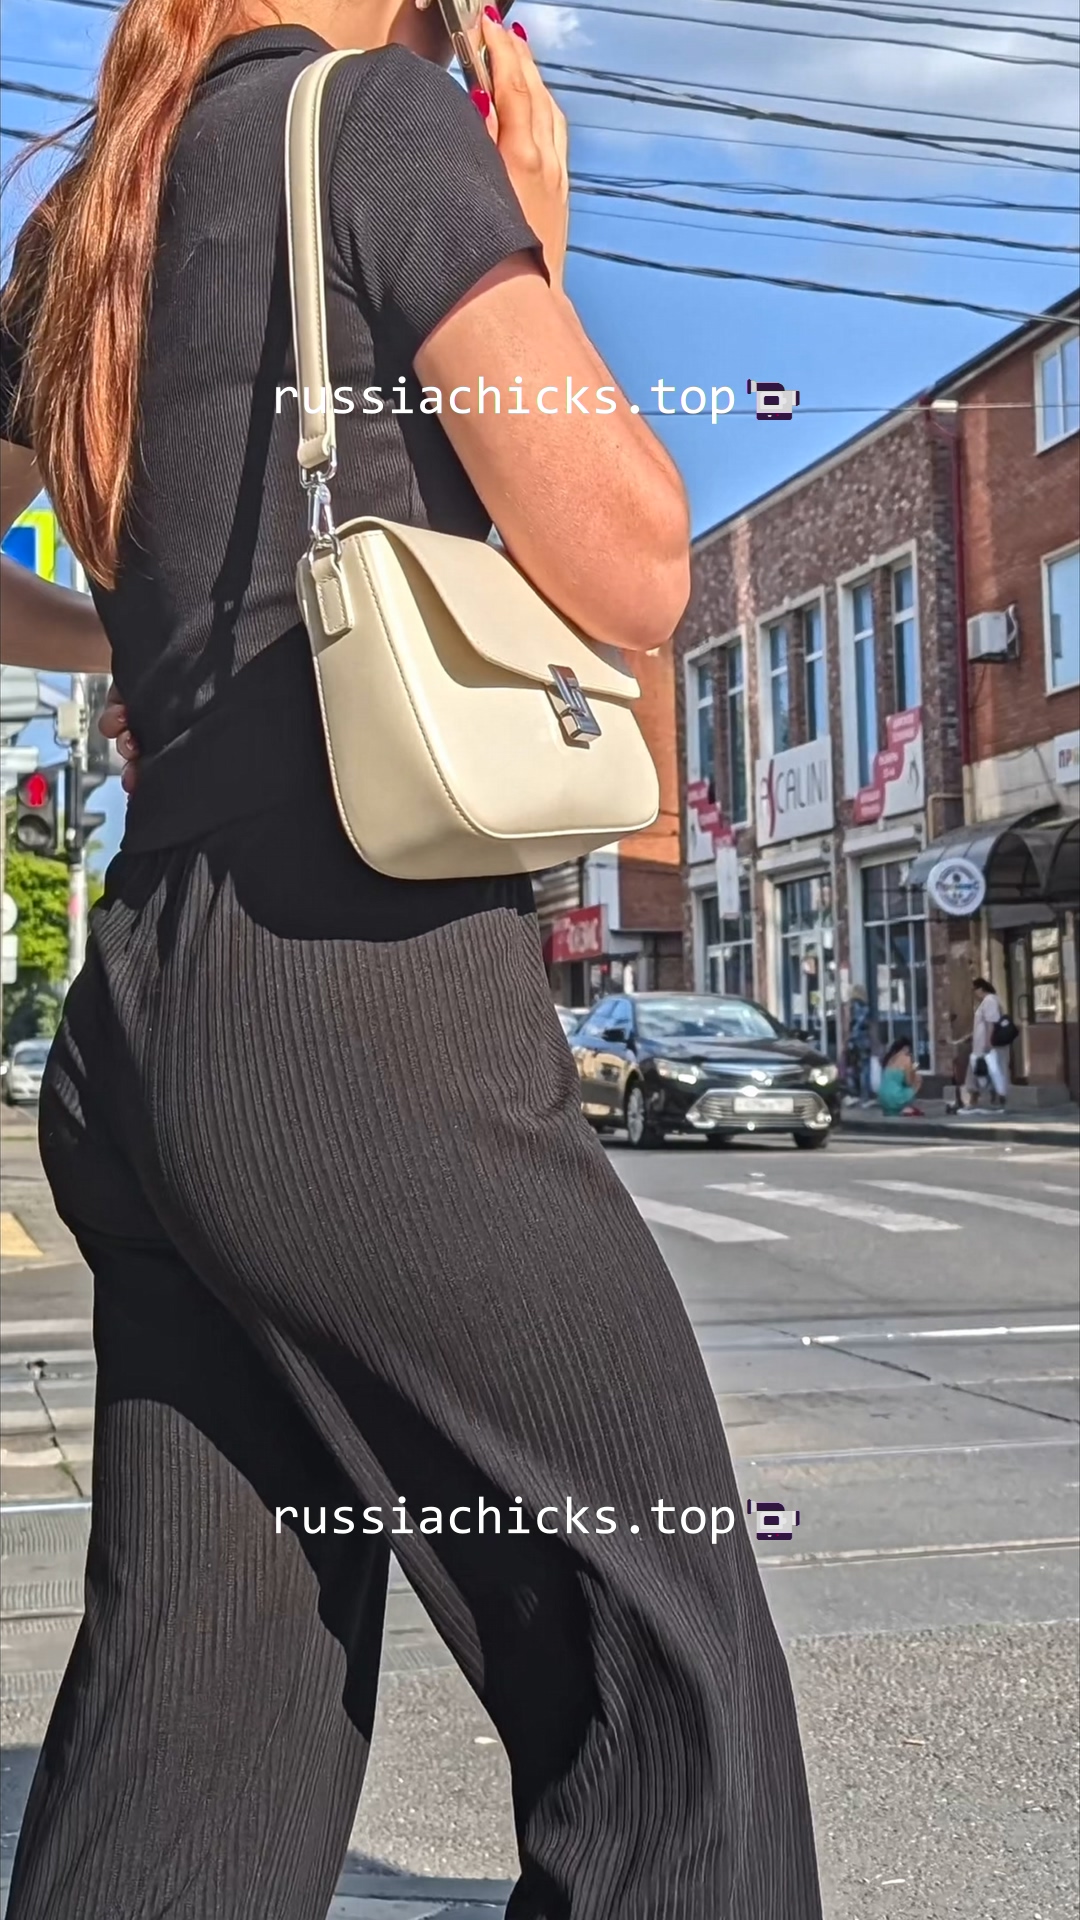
x=322 y=533
x=576 y=717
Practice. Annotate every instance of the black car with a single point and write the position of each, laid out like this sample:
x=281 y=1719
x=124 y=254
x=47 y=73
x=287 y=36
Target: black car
x=659 y=1063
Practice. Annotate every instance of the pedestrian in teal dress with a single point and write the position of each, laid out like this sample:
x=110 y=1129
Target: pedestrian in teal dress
x=900 y=1080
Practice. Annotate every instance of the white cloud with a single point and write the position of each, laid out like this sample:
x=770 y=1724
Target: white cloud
x=551 y=29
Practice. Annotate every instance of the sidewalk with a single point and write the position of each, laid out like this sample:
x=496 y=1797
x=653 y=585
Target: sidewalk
x=1053 y=1127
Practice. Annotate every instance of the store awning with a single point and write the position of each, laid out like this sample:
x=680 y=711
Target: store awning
x=1026 y=859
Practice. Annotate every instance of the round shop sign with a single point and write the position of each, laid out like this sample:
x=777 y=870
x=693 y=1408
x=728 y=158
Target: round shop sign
x=957 y=886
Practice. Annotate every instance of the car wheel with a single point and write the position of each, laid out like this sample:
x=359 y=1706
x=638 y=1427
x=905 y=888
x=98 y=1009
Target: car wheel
x=811 y=1142
x=640 y=1129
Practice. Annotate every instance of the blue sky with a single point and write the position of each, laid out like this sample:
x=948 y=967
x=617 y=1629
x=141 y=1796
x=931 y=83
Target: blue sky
x=851 y=358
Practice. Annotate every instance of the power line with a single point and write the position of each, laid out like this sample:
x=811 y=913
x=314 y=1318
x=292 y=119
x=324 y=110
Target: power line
x=991 y=163
x=899 y=13
x=950 y=143
x=980 y=203
x=806 y=286
x=584 y=183
x=817 y=100
x=824 y=239
x=815 y=33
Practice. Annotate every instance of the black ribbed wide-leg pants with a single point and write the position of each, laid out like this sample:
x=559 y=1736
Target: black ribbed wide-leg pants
x=354 y=1247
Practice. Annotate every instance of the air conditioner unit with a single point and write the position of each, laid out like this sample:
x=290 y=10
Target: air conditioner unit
x=993 y=636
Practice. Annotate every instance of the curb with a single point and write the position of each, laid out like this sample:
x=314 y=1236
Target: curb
x=1012 y=1132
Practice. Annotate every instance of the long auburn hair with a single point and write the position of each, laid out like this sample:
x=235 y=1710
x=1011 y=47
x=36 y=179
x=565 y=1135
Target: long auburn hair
x=85 y=265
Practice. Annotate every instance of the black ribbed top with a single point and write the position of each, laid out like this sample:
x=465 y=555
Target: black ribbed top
x=203 y=622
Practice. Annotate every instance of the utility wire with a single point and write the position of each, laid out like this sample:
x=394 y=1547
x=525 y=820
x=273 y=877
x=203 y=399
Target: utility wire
x=584 y=183
x=993 y=163
x=898 y=13
x=980 y=203
x=951 y=143
x=814 y=100
x=807 y=286
x=816 y=33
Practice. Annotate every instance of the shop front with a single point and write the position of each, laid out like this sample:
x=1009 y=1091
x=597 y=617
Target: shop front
x=1016 y=882
x=576 y=953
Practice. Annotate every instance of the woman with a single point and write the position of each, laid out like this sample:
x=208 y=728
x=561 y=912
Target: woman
x=900 y=1080
x=318 y=1132
x=861 y=1047
x=988 y=1067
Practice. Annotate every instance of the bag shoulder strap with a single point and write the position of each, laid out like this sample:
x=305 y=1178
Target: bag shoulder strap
x=317 y=449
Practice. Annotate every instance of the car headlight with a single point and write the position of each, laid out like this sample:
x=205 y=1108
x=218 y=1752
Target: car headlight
x=683 y=1070
x=823 y=1076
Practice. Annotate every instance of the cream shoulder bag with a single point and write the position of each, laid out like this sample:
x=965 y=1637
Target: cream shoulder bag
x=469 y=729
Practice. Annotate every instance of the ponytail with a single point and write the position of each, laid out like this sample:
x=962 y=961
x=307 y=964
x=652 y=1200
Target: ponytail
x=86 y=264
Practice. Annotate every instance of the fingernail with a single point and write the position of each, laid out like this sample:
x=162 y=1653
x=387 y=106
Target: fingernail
x=519 y=30
x=481 y=101
x=490 y=13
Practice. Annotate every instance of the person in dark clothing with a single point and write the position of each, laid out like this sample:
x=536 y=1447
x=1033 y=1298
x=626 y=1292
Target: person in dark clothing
x=317 y=1131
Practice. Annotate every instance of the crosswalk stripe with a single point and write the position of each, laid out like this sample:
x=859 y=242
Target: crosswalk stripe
x=720 y=1227
x=995 y=1202
x=864 y=1211
x=1048 y=1186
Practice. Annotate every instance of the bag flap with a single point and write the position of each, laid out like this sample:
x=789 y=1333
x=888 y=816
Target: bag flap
x=503 y=618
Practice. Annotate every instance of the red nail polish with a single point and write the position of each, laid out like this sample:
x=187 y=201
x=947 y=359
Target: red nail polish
x=519 y=30
x=490 y=13
x=481 y=101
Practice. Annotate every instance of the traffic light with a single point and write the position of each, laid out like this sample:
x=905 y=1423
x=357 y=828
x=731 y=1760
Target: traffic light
x=101 y=754
x=79 y=825
x=36 y=826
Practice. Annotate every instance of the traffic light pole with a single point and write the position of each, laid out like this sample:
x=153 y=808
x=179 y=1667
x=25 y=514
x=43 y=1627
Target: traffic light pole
x=77 y=884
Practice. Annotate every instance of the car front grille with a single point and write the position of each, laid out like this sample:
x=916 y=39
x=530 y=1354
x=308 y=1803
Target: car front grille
x=718 y=1107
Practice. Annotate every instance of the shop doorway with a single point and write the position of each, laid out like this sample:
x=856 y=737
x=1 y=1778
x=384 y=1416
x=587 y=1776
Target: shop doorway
x=808 y=986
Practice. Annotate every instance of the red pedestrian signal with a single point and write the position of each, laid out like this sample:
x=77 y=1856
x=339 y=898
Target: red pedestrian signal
x=36 y=790
x=36 y=827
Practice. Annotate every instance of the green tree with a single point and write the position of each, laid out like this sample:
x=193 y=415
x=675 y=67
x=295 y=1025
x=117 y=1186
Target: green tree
x=39 y=889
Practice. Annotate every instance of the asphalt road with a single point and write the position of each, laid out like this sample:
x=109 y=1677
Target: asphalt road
x=892 y=1334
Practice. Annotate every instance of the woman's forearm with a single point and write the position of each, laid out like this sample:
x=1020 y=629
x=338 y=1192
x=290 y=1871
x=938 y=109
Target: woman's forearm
x=50 y=628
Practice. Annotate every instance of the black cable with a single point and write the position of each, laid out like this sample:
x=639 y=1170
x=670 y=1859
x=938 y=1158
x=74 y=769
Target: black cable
x=953 y=143
x=898 y=13
x=993 y=163
x=814 y=33
x=979 y=203
x=583 y=183
x=723 y=88
x=806 y=286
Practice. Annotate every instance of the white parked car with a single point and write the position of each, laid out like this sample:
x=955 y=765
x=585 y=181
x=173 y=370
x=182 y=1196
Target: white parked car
x=22 y=1081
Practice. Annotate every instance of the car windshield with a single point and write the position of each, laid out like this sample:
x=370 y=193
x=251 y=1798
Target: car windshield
x=30 y=1053
x=571 y=1021
x=703 y=1017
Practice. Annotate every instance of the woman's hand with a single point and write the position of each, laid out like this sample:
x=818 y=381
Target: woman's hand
x=114 y=725
x=530 y=133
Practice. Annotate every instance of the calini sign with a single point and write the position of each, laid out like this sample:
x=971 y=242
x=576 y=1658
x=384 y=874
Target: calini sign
x=794 y=793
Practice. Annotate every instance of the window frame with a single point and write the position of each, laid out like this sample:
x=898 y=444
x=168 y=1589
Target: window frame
x=741 y=691
x=1054 y=349
x=816 y=605
x=1047 y=561
x=861 y=637
x=909 y=617
x=771 y=675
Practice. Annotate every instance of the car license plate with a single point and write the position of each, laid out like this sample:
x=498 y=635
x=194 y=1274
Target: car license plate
x=765 y=1103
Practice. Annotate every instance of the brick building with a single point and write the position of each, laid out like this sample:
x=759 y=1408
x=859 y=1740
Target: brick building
x=1018 y=486
x=818 y=665
x=827 y=712
x=615 y=919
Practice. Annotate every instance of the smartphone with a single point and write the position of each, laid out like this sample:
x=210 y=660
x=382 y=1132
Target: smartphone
x=462 y=21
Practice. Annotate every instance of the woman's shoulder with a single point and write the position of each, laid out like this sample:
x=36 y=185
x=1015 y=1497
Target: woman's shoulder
x=392 y=88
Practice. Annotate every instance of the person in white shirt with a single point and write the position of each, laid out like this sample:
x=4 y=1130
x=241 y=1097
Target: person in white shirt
x=988 y=1069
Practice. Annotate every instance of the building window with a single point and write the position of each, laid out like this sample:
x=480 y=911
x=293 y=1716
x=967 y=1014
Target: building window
x=1057 y=391
x=728 y=947
x=808 y=960
x=866 y=719
x=736 y=796
x=905 y=638
x=703 y=723
x=817 y=719
x=779 y=687
x=894 y=936
x=1061 y=604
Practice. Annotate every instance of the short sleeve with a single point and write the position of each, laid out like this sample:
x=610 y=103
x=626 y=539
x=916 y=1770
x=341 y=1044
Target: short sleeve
x=14 y=333
x=423 y=194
